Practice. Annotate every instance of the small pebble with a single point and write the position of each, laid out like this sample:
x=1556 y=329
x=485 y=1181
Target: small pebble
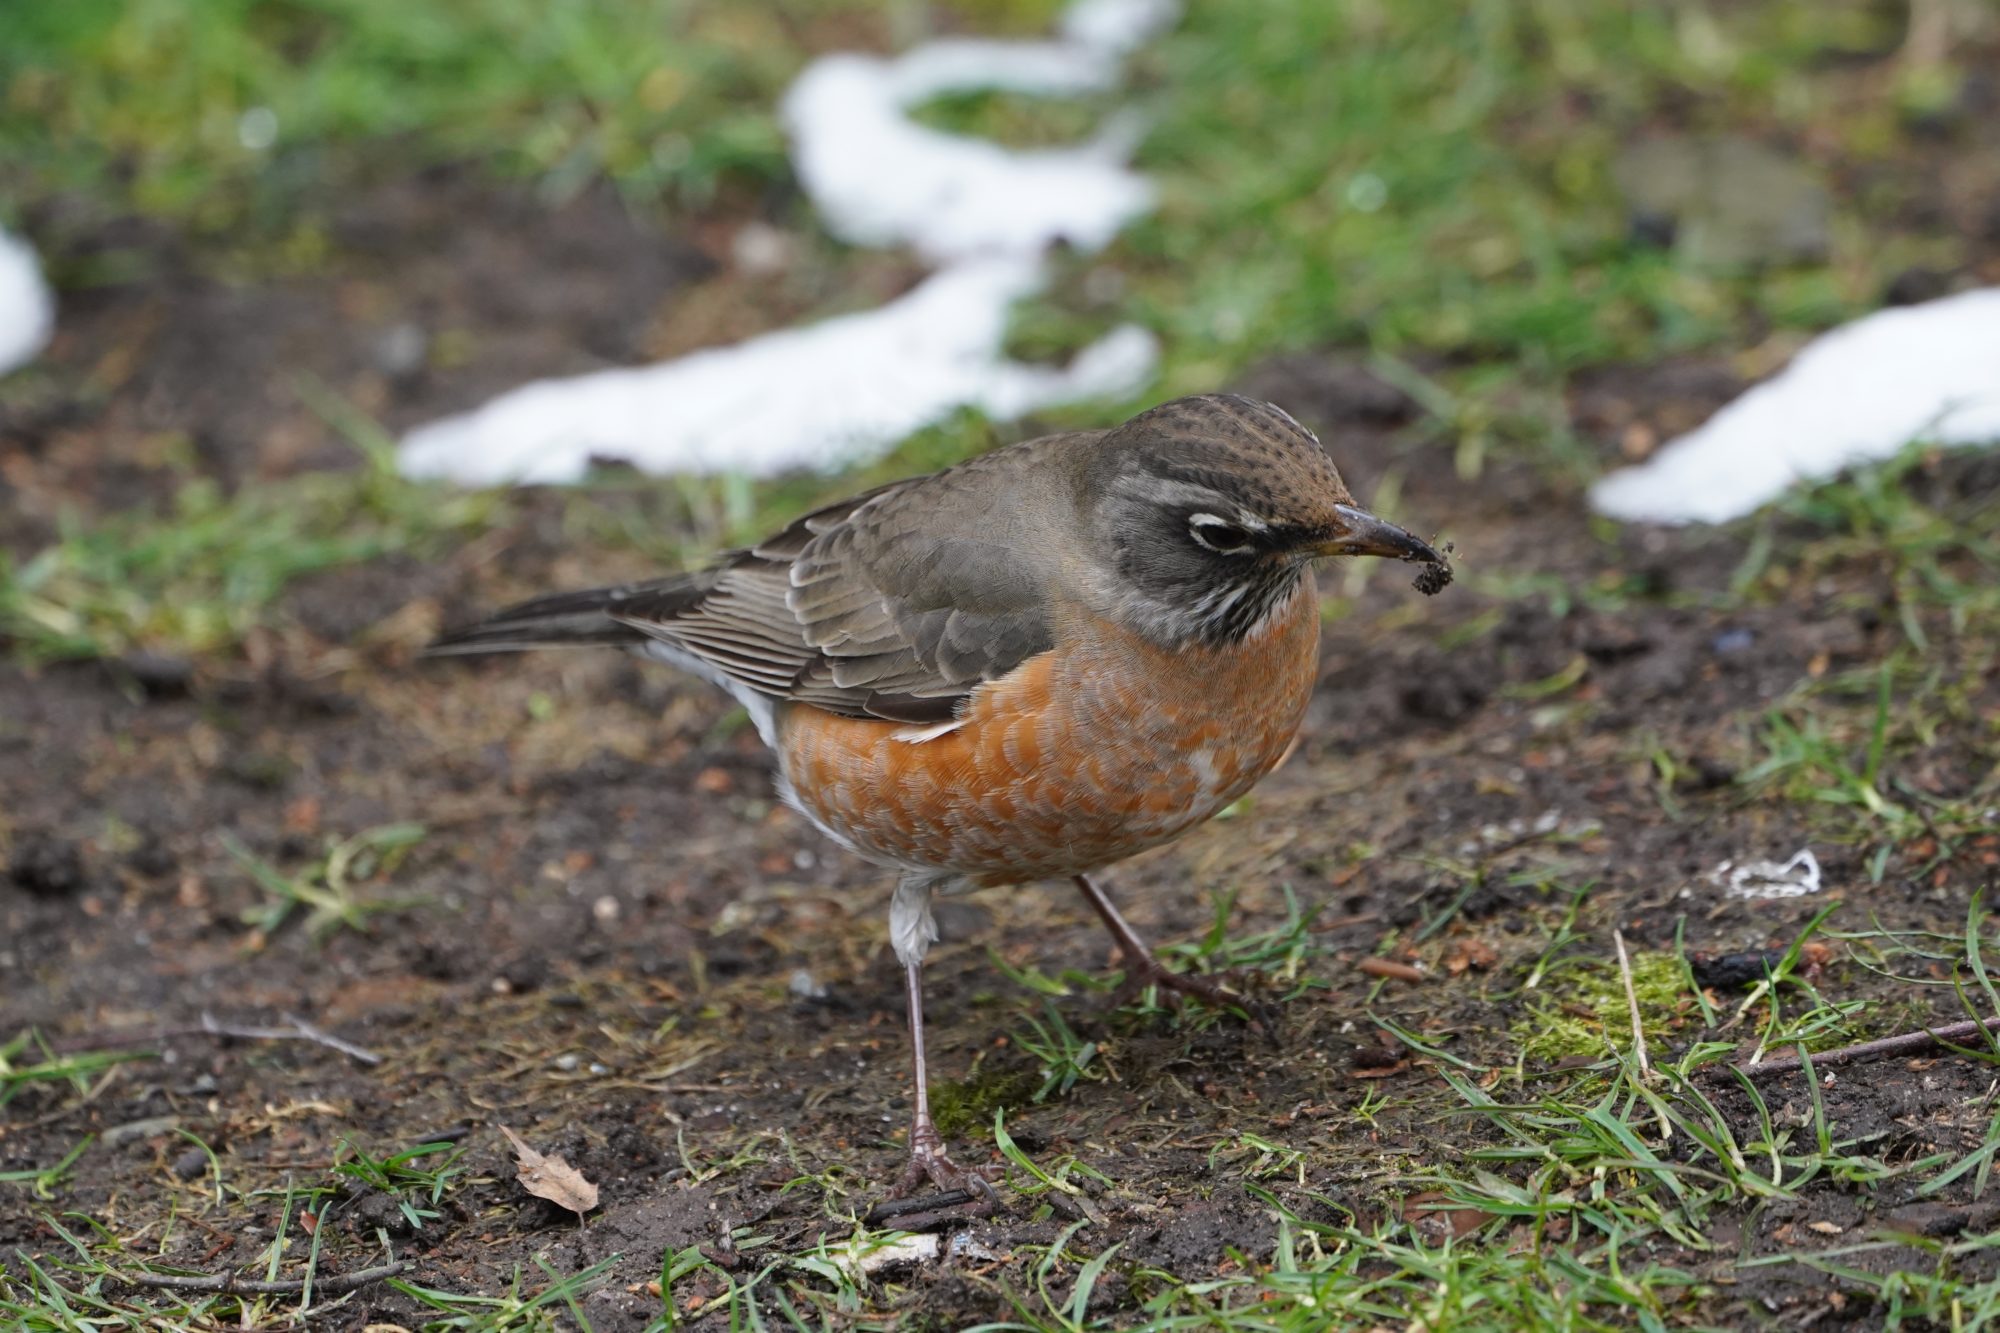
x=760 y=249
x=806 y=986
x=1732 y=640
x=401 y=350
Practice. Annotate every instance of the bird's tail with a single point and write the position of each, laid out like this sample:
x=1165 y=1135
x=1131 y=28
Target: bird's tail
x=573 y=619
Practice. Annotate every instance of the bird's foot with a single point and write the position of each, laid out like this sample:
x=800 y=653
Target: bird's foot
x=963 y=1191
x=1216 y=992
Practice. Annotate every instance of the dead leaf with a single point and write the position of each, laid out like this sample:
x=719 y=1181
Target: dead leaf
x=1435 y=1217
x=1473 y=954
x=1383 y=1060
x=551 y=1178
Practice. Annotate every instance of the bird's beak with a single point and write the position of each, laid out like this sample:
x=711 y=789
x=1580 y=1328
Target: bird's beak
x=1358 y=532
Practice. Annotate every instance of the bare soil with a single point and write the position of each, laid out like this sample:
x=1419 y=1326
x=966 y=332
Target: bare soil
x=611 y=910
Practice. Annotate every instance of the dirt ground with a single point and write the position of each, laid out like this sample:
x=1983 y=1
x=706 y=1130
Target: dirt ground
x=619 y=945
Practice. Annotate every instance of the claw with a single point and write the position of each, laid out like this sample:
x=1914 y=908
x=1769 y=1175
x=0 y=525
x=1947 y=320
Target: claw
x=967 y=1191
x=1146 y=972
x=1143 y=968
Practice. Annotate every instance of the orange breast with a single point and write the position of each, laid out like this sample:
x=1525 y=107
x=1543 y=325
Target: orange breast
x=1084 y=755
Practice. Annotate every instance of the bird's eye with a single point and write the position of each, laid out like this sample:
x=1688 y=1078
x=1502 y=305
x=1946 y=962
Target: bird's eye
x=1218 y=534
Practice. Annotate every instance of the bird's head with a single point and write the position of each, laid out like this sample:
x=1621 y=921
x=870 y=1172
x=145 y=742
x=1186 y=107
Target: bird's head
x=1207 y=509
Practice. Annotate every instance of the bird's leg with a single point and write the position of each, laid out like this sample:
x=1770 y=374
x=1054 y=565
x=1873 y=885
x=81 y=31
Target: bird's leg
x=1143 y=967
x=912 y=931
x=928 y=1159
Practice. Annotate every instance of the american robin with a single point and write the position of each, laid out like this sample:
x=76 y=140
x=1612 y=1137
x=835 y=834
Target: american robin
x=1030 y=665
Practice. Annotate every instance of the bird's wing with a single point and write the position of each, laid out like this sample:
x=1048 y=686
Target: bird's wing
x=894 y=604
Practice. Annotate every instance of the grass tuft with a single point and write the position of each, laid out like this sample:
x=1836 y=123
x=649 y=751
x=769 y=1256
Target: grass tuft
x=329 y=890
x=200 y=577
x=1580 y=1009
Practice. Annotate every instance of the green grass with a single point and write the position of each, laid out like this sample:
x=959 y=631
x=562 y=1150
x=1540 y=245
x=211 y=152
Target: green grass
x=1431 y=185
x=76 y=1070
x=85 y=1283
x=416 y=1179
x=1862 y=750
x=44 y=1181
x=1938 y=553
x=211 y=111
x=330 y=890
x=202 y=575
x=1585 y=1198
x=530 y=1309
x=1562 y=1214
x=199 y=577
x=1016 y=120
x=1580 y=1007
x=217 y=113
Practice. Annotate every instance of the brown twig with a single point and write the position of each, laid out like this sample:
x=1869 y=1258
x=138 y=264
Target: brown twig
x=927 y=1204
x=1907 y=1043
x=232 y=1284
x=1390 y=968
x=299 y=1030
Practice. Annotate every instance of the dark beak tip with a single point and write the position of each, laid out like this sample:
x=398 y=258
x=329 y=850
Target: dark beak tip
x=1368 y=535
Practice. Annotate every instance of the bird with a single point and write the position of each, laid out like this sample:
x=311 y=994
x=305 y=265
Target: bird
x=1027 y=666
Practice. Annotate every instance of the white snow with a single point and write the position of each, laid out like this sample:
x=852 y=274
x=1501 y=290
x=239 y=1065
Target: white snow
x=1863 y=391
x=835 y=391
x=1117 y=27
x=27 y=310
x=881 y=179
x=848 y=388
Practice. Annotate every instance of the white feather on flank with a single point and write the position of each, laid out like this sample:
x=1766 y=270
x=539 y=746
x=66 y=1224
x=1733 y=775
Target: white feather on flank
x=761 y=707
x=918 y=735
x=912 y=928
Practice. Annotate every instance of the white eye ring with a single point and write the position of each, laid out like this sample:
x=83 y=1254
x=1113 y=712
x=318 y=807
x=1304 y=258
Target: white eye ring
x=1227 y=538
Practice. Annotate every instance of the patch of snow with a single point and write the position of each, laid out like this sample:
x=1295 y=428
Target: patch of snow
x=27 y=309
x=848 y=388
x=1116 y=27
x=1860 y=392
x=881 y=179
x=832 y=392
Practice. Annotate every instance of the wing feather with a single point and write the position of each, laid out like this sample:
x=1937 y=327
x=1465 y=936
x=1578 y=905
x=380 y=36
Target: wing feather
x=884 y=605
